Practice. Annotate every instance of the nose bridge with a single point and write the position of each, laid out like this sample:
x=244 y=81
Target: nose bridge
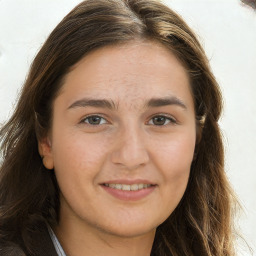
x=130 y=150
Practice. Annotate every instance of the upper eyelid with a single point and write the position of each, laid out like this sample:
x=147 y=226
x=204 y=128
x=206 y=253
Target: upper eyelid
x=163 y=115
x=172 y=121
x=91 y=115
x=168 y=116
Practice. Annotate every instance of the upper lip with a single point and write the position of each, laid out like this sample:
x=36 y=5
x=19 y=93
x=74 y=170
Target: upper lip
x=129 y=182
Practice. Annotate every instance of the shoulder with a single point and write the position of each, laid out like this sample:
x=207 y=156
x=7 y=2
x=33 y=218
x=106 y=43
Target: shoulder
x=41 y=244
x=10 y=249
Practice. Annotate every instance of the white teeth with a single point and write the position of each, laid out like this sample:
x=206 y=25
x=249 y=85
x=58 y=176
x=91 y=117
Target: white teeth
x=134 y=187
x=140 y=186
x=118 y=186
x=126 y=187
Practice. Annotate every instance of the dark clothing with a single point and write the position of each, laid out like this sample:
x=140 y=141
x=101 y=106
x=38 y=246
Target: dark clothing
x=43 y=242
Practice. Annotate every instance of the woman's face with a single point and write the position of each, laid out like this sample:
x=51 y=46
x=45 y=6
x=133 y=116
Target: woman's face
x=122 y=139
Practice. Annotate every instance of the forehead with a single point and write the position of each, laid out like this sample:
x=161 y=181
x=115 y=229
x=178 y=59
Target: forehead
x=128 y=73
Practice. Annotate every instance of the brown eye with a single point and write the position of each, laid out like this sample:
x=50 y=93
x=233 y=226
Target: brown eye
x=94 y=120
x=161 y=120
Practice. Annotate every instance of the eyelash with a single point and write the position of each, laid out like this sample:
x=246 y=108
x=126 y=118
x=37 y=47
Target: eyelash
x=92 y=116
x=171 y=120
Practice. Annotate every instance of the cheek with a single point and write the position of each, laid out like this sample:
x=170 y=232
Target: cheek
x=174 y=161
x=78 y=160
x=172 y=157
x=79 y=154
x=175 y=151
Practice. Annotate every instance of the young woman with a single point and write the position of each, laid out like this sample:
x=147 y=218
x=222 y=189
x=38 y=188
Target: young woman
x=114 y=147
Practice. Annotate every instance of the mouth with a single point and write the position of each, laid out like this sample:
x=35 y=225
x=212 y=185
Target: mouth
x=129 y=190
x=128 y=187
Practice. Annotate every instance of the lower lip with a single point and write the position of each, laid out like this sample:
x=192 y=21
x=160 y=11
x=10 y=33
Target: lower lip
x=129 y=195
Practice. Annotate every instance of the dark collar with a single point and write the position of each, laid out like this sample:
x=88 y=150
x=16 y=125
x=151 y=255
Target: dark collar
x=44 y=244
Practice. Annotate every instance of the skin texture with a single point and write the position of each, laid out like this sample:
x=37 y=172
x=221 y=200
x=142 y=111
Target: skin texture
x=126 y=143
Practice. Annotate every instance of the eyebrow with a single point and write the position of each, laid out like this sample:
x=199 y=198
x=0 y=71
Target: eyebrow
x=98 y=103
x=159 y=102
x=109 y=104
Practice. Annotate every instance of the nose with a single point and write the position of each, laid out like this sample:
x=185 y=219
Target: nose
x=130 y=150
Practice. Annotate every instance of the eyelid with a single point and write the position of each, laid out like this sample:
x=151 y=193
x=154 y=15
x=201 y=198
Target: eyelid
x=173 y=121
x=82 y=121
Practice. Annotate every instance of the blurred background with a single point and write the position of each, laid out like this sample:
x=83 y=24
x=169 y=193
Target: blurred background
x=226 y=29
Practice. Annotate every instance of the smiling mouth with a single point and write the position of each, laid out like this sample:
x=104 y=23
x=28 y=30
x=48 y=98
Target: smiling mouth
x=127 y=187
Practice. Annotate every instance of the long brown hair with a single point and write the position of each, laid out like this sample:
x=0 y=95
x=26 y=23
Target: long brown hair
x=202 y=222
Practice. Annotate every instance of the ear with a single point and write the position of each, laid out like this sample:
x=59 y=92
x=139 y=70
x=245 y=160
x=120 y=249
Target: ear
x=45 y=151
x=200 y=121
x=199 y=130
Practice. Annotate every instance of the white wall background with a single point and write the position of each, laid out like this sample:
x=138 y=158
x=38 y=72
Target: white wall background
x=226 y=29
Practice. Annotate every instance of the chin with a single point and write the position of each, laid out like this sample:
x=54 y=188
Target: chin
x=128 y=229
x=130 y=232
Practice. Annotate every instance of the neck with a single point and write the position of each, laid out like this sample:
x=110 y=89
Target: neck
x=75 y=239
